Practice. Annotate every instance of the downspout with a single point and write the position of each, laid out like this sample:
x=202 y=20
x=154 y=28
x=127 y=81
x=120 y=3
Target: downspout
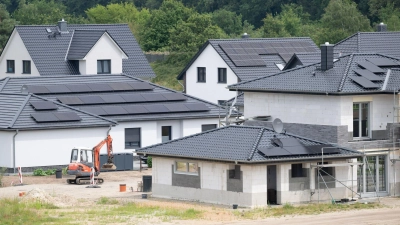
x=108 y=131
x=16 y=132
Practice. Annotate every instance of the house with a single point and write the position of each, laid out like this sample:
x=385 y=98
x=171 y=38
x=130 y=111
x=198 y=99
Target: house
x=223 y=62
x=146 y=113
x=37 y=131
x=73 y=49
x=351 y=101
x=250 y=166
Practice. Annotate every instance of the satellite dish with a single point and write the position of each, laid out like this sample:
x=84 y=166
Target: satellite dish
x=277 y=125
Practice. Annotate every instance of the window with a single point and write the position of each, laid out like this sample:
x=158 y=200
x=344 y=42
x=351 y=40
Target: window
x=326 y=170
x=235 y=173
x=103 y=66
x=222 y=75
x=206 y=127
x=132 y=138
x=297 y=170
x=186 y=167
x=26 y=66
x=165 y=133
x=201 y=74
x=10 y=66
x=361 y=120
x=74 y=155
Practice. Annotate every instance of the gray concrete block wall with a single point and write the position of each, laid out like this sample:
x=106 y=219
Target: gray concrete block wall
x=235 y=185
x=186 y=180
x=299 y=183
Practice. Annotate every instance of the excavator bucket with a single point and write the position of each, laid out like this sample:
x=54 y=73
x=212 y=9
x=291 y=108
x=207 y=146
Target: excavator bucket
x=109 y=166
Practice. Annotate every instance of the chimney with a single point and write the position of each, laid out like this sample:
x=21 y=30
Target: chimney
x=62 y=26
x=326 y=56
x=245 y=36
x=381 y=27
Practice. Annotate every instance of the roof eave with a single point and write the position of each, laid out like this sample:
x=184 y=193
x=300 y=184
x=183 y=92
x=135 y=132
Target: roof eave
x=308 y=92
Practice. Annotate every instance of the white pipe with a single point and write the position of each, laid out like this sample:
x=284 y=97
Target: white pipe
x=16 y=132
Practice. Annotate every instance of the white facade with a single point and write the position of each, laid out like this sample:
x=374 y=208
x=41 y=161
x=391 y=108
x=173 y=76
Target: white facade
x=211 y=90
x=213 y=183
x=318 y=109
x=16 y=50
x=104 y=49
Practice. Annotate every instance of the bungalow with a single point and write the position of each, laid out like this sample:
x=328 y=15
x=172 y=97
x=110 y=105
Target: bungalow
x=251 y=166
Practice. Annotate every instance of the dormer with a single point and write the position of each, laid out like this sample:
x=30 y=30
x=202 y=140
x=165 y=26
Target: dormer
x=96 y=52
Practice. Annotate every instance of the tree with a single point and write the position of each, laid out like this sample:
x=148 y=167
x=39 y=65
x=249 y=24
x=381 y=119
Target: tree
x=391 y=16
x=341 y=19
x=78 y=7
x=40 y=12
x=6 y=25
x=189 y=36
x=228 y=21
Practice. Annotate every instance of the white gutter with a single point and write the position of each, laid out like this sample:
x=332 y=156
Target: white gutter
x=386 y=80
x=16 y=132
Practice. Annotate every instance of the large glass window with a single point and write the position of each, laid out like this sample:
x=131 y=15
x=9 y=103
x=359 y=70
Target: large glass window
x=26 y=66
x=74 y=155
x=222 y=75
x=361 y=120
x=10 y=66
x=201 y=74
x=297 y=170
x=132 y=138
x=165 y=133
x=186 y=167
x=103 y=66
x=373 y=176
x=206 y=127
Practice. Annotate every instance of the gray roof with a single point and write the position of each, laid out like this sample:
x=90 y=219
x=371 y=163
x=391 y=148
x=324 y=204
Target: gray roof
x=387 y=43
x=82 y=42
x=341 y=79
x=16 y=112
x=239 y=100
x=49 y=54
x=14 y=85
x=269 y=51
x=235 y=143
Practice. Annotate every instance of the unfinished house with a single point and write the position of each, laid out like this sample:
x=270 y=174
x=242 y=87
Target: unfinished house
x=250 y=166
x=351 y=101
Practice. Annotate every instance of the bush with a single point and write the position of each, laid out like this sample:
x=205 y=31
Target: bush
x=41 y=172
x=149 y=162
x=2 y=171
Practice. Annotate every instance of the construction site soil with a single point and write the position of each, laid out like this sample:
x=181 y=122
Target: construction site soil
x=56 y=191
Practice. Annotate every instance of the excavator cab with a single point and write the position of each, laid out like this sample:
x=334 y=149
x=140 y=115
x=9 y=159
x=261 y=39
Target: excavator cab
x=84 y=156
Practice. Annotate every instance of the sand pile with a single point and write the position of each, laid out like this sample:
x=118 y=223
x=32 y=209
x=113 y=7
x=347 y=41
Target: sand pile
x=42 y=196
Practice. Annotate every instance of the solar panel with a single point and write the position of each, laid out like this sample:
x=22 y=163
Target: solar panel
x=294 y=146
x=37 y=89
x=114 y=110
x=364 y=82
x=369 y=75
x=100 y=87
x=76 y=88
x=91 y=99
x=43 y=105
x=174 y=96
x=274 y=151
x=67 y=116
x=177 y=107
x=318 y=149
x=154 y=97
x=136 y=109
x=112 y=98
x=133 y=98
x=141 y=86
x=383 y=62
x=58 y=89
x=197 y=107
x=371 y=67
x=120 y=86
x=44 y=117
x=70 y=100
x=157 y=109
x=95 y=110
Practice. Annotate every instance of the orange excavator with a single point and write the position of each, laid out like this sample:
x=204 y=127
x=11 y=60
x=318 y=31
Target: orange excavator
x=83 y=159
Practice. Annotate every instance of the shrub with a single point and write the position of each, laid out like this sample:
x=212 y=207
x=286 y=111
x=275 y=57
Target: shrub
x=149 y=162
x=2 y=171
x=41 y=172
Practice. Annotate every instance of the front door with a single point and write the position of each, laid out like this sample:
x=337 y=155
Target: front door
x=373 y=174
x=271 y=185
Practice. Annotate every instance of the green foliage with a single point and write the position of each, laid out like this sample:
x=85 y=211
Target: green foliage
x=228 y=21
x=149 y=162
x=107 y=201
x=6 y=25
x=2 y=171
x=41 y=172
x=391 y=16
x=64 y=170
x=39 y=12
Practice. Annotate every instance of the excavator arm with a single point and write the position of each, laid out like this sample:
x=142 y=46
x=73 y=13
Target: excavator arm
x=96 y=151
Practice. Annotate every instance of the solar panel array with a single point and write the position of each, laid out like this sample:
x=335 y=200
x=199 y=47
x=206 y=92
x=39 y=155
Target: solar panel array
x=43 y=105
x=146 y=109
x=293 y=147
x=84 y=88
x=121 y=98
x=55 y=117
x=370 y=71
x=247 y=54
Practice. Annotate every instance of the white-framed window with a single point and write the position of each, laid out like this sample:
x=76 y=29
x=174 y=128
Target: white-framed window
x=104 y=66
x=132 y=138
x=361 y=120
x=186 y=167
x=166 y=133
x=26 y=66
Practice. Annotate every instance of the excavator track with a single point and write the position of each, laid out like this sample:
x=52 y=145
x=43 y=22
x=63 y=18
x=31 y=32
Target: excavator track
x=84 y=180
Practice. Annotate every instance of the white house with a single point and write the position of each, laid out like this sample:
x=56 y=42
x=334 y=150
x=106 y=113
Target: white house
x=251 y=166
x=349 y=102
x=220 y=63
x=72 y=49
x=142 y=113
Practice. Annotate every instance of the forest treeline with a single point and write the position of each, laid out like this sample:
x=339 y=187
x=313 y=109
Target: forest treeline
x=182 y=26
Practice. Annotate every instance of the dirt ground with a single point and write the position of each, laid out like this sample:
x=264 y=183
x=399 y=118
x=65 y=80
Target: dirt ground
x=58 y=192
